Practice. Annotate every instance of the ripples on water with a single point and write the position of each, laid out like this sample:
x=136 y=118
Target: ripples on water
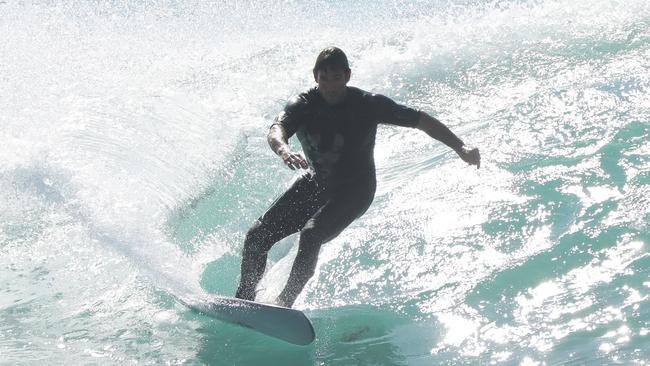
x=134 y=159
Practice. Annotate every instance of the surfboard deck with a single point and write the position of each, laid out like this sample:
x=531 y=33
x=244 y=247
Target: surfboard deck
x=289 y=325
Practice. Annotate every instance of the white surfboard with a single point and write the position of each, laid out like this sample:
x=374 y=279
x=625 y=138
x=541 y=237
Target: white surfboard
x=287 y=324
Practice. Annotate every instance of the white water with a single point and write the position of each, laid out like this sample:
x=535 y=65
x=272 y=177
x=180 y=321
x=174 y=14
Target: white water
x=134 y=156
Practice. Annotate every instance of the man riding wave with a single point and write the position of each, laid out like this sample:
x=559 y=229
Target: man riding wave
x=336 y=125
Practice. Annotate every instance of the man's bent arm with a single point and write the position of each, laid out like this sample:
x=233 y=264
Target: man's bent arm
x=442 y=133
x=277 y=139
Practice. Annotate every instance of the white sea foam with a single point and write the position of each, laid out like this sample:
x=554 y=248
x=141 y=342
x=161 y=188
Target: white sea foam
x=133 y=155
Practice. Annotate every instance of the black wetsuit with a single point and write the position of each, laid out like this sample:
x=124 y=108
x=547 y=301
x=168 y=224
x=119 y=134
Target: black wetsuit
x=338 y=142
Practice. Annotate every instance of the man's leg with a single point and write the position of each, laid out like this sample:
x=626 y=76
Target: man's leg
x=286 y=216
x=259 y=239
x=324 y=226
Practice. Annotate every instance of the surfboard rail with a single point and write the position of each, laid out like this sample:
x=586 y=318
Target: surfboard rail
x=289 y=325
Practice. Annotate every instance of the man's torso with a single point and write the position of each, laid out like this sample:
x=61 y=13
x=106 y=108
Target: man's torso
x=338 y=140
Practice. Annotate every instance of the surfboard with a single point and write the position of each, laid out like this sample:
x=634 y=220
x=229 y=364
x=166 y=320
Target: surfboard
x=289 y=325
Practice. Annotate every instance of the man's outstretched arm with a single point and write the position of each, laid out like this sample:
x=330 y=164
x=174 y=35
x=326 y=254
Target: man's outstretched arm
x=277 y=138
x=442 y=133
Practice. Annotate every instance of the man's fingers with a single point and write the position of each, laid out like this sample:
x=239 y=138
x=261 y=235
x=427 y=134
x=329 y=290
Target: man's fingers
x=295 y=161
x=289 y=164
x=303 y=162
x=472 y=157
x=298 y=161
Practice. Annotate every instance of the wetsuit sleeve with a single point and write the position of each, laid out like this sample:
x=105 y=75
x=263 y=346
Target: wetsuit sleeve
x=292 y=116
x=389 y=112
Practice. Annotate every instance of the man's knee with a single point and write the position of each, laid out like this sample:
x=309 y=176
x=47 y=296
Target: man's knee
x=314 y=236
x=258 y=238
x=310 y=238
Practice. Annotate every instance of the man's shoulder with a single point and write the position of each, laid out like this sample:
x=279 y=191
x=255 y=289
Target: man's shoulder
x=311 y=96
x=303 y=99
x=365 y=95
x=369 y=100
x=300 y=102
x=359 y=93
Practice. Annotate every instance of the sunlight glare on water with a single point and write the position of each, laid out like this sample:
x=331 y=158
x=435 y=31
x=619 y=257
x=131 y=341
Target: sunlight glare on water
x=134 y=160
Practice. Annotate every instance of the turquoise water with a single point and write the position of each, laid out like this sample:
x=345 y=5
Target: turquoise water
x=134 y=159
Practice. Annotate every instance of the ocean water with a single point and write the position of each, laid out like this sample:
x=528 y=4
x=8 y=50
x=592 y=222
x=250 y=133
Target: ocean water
x=133 y=160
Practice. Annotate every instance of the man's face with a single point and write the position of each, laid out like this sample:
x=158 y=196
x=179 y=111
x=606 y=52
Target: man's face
x=332 y=84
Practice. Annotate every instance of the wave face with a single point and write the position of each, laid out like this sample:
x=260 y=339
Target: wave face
x=134 y=160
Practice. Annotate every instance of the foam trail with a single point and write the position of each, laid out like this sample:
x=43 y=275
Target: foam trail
x=134 y=160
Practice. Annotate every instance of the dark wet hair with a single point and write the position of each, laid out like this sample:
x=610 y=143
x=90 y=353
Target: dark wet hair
x=331 y=58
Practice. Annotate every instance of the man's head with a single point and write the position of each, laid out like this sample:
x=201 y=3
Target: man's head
x=332 y=73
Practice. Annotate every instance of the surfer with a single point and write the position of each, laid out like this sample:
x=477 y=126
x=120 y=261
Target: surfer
x=336 y=125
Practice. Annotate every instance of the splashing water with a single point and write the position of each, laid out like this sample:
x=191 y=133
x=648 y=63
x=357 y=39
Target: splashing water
x=134 y=159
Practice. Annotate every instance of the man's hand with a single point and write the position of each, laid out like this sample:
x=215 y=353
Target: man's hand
x=293 y=160
x=470 y=155
x=436 y=129
x=277 y=139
